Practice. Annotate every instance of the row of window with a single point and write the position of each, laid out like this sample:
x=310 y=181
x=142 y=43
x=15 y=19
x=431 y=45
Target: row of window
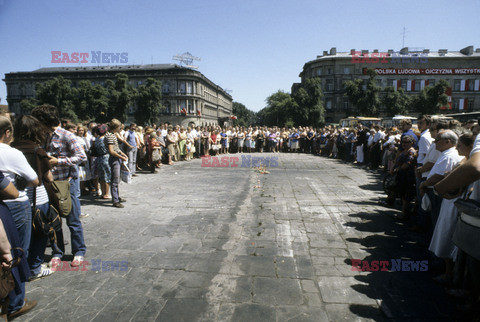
x=457 y=104
x=415 y=85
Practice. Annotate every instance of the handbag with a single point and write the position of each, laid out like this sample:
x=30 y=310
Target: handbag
x=390 y=182
x=7 y=284
x=45 y=224
x=467 y=230
x=59 y=196
x=156 y=156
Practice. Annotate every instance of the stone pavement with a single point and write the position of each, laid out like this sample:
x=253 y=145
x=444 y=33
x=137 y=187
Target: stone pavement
x=230 y=244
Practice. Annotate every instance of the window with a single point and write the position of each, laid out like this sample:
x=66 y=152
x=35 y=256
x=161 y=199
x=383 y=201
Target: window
x=139 y=82
x=329 y=71
x=166 y=88
x=182 y=87
x=319 y=71
x=456 y=104
x=470 y=104
x=379 y=83
x=189 y=88
x=329 y=105
x=346 y=104
x=346 y=70
x=418 y=84
x=190 y=107
x=431 y=82
x=329 y=85
x=456 y=85
x=471 y=84
x=392 y=82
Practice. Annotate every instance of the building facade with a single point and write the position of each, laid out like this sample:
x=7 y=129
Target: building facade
x=187 y=95
x=412 y=69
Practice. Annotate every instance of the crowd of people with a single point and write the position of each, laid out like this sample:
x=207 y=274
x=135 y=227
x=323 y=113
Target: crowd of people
x=427 y=168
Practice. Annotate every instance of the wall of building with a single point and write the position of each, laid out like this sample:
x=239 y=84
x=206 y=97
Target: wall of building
x=411 y=69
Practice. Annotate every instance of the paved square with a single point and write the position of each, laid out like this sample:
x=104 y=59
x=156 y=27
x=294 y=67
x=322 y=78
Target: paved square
x=231 y=244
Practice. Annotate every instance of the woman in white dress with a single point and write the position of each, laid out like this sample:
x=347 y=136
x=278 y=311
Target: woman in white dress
x=241 y=139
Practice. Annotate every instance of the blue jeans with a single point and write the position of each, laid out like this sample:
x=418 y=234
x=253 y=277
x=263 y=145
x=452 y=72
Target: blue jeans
x=74 y=224
x=115 y=165
x=132 y=159
x=22 y=216
x=37 y=247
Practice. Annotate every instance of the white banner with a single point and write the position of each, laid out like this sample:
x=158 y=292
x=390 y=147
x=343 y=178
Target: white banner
x=460 y=104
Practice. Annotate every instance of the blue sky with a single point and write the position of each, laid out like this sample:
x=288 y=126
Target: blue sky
x=252 y=47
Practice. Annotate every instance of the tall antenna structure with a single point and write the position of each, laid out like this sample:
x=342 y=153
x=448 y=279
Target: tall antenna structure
x=186 y=59
x=403 y=36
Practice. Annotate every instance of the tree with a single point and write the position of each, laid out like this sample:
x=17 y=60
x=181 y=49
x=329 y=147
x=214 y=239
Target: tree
x=60 y=93
x=148 y=99
x=431 y=98
x=279 y=110
x=364 y=96
x=121 y=96
x=245 y=117
x=309 y=103
x=396 y=101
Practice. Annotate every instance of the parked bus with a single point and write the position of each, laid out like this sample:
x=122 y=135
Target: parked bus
x=464 y=117
x=354 y=121
x=395 y=121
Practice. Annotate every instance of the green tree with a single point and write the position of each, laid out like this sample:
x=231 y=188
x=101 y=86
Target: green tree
x=121 y=97
x=279 y=110
x=396 y=101
x=60 y=93
x=431 y=98
x=245 y=117
x=309 y=103
x=364 y=96
x=148 y=99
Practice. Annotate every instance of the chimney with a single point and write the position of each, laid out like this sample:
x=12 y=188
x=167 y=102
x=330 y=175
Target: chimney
x=375 y=50
x=442 y=52
x=477 y=50
x=325 y=53
x=364 y=51
x=404 y=51
x=352 y=51
x=467 y=50
x=333 y=51
x=426 y=51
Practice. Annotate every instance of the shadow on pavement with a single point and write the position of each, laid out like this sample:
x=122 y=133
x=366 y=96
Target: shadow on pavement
x=406 y=293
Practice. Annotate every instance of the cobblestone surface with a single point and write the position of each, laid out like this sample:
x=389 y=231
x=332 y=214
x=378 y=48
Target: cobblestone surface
x=230 y=244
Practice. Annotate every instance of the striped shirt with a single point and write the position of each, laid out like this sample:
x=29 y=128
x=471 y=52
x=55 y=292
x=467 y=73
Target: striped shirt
x=64 y=146
x=111 y=139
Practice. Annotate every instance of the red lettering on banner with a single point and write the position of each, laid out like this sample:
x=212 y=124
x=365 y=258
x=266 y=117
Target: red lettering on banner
x=224 y=162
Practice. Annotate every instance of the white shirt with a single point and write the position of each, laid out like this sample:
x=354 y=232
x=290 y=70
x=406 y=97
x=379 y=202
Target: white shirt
x=378 y=136
x=445 y=163
x=432 y=156
x=13 y=163
x=423 y=145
